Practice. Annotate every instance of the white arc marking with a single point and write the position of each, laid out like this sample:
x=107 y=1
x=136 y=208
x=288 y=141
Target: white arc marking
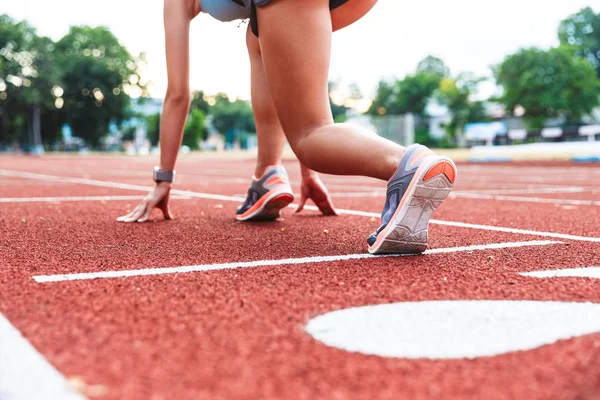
x=454 y=329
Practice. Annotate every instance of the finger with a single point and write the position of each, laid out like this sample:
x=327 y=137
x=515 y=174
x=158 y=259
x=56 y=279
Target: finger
x=124 y=217
x=146 y=215
x=137 y=213
x=165 y=208
x=326 y=206
x=301 y=205
x=323 y=200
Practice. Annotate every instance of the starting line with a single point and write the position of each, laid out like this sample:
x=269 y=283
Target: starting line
x=263 y=263
x=189 y=194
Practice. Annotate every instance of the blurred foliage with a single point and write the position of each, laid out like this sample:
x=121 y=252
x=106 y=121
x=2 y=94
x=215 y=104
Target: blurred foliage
x=411 y=94
x=548 y=83
x=85 y=79
x=422 y=136
x=28 y=74
x=340 y=111
x=228 y=116
x=128 y=133
x=195 y=130
x=433 y=65
x=456 y=94
x=199 y=102
x=99 y=76
x=582 y=30
x=153 y=126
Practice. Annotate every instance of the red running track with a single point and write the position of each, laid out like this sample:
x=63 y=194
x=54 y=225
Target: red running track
x=239 y=333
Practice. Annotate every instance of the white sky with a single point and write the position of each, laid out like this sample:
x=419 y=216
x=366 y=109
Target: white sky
x=469 y=35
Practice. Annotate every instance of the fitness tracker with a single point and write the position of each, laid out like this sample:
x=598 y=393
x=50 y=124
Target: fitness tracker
x=163 y=176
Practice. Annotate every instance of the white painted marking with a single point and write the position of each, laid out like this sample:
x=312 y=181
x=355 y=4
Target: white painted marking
x=358 y=194
x=482 y=194
x=517 y=231
x=526 y=199
x=238 y=199
x=92 y=182
x=590 y=272
x=568 y=189
x=263 y=263
x=495 y=195
x=24 y=373
x=75 y=198
x=454 y=329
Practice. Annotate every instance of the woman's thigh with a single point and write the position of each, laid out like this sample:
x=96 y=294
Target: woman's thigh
x=296 y=58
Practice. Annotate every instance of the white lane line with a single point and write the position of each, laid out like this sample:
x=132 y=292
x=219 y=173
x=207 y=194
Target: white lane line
x=25 y=373
x=516 y=231
x=238 y=199
x=483 y=194
x=525 y=199
x=116 y=185
x=374 y=193
x=590 y=272
x=263 y=263
x=542 y=190
x=75 y=198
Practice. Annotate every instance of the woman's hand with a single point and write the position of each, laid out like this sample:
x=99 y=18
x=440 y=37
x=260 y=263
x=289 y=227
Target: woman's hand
x=313 y=188
x=158 y=197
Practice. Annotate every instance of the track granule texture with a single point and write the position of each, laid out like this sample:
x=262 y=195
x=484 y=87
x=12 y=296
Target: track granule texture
x=239 y=333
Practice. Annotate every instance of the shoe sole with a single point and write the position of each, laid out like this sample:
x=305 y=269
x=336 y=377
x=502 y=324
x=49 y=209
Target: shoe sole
x=270 y=209
x=407 y=231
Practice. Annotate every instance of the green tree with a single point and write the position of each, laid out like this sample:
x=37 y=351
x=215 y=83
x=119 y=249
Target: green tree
x=409 y=95
x=228 y=116
x=28 y=77
x=456 y=94
x=99 y=76
x=199 y=103
x=414 y=92
x=582 y=30
x=384 y=98
x=553 y=83
x=433 y=65
x=339 y=111
x=153 y=125
x=195 y=130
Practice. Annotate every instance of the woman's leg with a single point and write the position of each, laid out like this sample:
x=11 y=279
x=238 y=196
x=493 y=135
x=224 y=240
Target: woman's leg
x=269 y=133
x=295 y=39
x=350 y=12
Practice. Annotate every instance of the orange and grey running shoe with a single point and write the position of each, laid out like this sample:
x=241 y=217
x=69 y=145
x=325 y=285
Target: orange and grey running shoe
x=422 y=181
x=267 y=196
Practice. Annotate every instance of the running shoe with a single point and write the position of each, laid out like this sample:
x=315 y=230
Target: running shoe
x=422 y=181
x=267 y=196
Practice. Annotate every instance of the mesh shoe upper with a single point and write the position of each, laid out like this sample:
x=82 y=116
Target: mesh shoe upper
x=273 y=177
x=397 y=185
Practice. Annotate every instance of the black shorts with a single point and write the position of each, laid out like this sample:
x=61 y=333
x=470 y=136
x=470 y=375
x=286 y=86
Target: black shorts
x=254 y=19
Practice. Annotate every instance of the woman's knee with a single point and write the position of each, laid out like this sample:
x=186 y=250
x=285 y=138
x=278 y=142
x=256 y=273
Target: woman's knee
x=304 y=141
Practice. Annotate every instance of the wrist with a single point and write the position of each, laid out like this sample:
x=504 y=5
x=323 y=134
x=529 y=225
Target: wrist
x=161 y=175
x=309 y=173
x=306 y=172
x=166 y=185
